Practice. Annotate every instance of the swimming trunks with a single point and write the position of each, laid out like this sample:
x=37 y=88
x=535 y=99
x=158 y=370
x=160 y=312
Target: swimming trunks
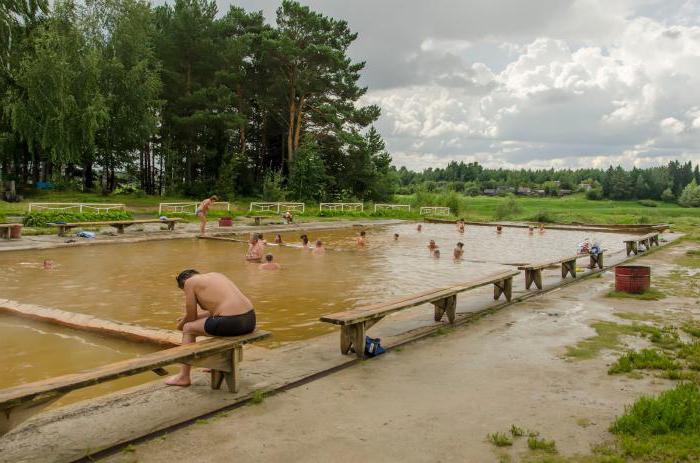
x=230 y=325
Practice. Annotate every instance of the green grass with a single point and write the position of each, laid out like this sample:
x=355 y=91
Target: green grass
x=646 y=359
x=691 y=354
x=652 y=294
x=538 y=443
x=516 y=431
x=692 y=328
x=607 y=338
x=690 y=259
x=258 y=397
x=500 y=439
x=662 y=428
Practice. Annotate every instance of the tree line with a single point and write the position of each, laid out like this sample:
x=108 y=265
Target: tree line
x=180 y=99
x=661 y=183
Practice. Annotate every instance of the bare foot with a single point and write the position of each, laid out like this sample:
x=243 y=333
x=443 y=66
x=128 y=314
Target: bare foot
x=178 y=381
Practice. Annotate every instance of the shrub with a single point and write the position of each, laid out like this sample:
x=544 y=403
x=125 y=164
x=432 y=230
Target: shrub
x=507 y=208
x=594 y=194
x=667 y=196
x=647 y=203
x=690 y=197
x=500 y=439
x=272 y=187
x=41 y=219
x=542 y=216
x=536 y=443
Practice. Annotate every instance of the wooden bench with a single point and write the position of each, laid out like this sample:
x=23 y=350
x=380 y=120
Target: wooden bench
x=120 y=225
x=354 y=323
x=6 y=229
x=222 y=355
x=533 y=272
x=632 y=245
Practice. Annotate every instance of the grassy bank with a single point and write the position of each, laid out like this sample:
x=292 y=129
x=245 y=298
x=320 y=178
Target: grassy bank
x=569 y=209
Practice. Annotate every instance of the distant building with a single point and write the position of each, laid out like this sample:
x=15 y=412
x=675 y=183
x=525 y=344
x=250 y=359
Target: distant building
x=585 y=186
x=540 y=192
x=490 y=192
x=523 y=190
x=564 y=192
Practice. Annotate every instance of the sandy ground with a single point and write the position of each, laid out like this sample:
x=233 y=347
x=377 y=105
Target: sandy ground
x=436 y=399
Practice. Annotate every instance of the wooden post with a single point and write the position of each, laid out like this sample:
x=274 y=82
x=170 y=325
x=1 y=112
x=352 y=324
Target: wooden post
x=120 y=228
x=358 y=339
x=171 y=225
x=451 y=308
x=538 y=278
x=528 y=278
x=440 y=306
x=233 y=377
x=217 y=378
x=508 y=288
x=345 y=339
x=497 y=289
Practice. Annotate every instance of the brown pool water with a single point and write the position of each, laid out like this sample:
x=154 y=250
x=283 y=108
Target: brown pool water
x=136 y=283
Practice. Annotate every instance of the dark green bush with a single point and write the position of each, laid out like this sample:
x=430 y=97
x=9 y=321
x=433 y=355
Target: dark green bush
x=595 y=194
x=647 y=203
x=41 y=219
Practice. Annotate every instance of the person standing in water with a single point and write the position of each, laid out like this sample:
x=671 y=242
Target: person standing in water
x=361 y=241
x=396 y=236
x=419 y=228
x=203 y=210
x=304 y=242
x=269 y=265
x=214 y=306
x=499 y=229
x=255 y=250
x=278 y=239
x=432 y=247
x=459 y=251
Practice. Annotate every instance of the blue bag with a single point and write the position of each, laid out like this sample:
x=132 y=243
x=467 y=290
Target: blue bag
x=373 y=347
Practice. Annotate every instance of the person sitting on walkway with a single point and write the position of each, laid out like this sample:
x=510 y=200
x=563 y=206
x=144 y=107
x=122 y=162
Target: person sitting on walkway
x=319 y=249
x=202 y=211
x=214 y=306
x=459 y=251
x=288 y=217
x=269 y=265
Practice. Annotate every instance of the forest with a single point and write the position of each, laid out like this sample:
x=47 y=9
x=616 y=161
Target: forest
x=182 y=99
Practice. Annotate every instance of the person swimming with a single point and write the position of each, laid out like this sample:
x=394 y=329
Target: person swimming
x=541 y=228
x=278 y=239
x=499 y=229
x=460 y=225
x=459 y=251
x=269 y=265
x=262 y=240
x=319 y=249
x=255 y=250
x=432 y=247
x=436 y=254
x=396 y=236
x=530 y=229
x=361 y=241
x=304 y=242
x=419 y=227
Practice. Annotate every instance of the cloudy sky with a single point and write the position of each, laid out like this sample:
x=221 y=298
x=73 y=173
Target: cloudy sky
x=536 y=83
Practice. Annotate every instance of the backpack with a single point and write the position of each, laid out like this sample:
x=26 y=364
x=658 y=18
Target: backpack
x=373 y=347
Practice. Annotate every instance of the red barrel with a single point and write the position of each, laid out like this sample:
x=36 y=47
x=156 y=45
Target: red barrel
x=632 y=278
x=16 y=232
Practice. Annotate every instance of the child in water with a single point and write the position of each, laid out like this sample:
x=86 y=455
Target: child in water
x=361 y=239
x=459 y=251
x=432 y=247
x=396 y=236
x=319 y=249
x=499 y=229
x=278 y=239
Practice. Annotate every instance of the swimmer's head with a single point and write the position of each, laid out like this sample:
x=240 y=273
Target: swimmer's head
x=304 y=239
x=214 y=198
x=499 y=228
x=363 y=233
x=254 y=239
x=184 y=276
x=436 y=254
x=396 y=236
x=432 y=242
x=260 y=236
x=319 y=243
x=268 y=257
x=460 y=245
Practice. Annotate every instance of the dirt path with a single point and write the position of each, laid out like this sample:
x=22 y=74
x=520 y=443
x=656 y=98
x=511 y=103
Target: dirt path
x=438 y=398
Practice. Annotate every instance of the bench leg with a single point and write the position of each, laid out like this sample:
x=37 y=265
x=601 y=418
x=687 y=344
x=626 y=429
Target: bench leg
x=217 y=377
x=171 y=226
x=568 y=267
x=233 y=377
x=503 y=287
x=446 y=306
x=120 y=229
x=528 y=278
x=352 y=337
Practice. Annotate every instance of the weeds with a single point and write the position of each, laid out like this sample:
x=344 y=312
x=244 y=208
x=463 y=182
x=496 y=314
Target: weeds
x=258 y=397
x=536 y=443
x=607 y=337
x=516 y=431
x=692 y=328
x=637 y=316
x=500 y=439
x=646 y=359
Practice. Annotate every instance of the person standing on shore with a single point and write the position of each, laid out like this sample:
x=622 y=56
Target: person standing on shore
x=202 y=211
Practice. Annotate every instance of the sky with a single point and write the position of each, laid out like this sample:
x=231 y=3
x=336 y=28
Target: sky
x=531 y=84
